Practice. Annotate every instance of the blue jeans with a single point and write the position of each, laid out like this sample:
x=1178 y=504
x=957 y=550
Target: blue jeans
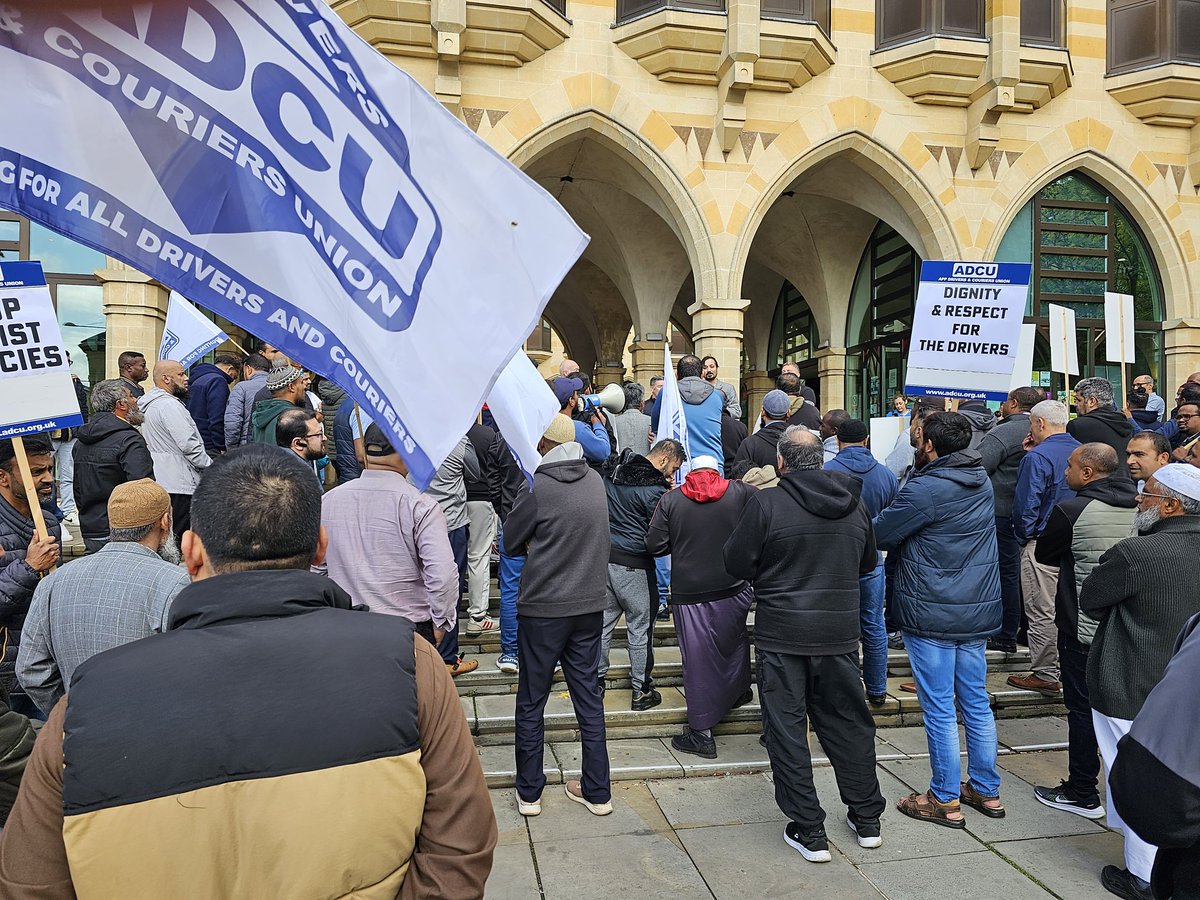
x=510 y=582
x=874 y=634
x=949 y=673
x=662 y=568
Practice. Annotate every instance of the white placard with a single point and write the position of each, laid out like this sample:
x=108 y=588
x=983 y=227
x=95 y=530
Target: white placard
x=1022 y=375
x=966 y=329
x=36 y=393
x=188 y=334
x=1064 y=351
x=1118 y=327
x=884 y=432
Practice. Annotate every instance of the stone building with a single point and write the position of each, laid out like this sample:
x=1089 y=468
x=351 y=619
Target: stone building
x=761 y=178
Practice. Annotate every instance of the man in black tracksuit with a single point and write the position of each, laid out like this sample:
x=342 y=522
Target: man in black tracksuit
x=803 y=547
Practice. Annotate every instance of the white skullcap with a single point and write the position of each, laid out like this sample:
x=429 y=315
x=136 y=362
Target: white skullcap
x=1180 y=478
x=708 y=462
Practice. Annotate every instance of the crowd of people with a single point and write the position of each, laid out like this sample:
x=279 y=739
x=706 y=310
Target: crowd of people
x=256 y=550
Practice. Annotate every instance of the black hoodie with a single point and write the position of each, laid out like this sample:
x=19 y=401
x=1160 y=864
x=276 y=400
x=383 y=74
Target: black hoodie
x=110 y=452
x=803 y=546
x=1104 y=425
x=633 y=487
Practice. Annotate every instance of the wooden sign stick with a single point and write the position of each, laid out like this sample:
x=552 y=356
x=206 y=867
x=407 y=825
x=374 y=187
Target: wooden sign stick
x=1124 y=375
x=31 y=495
x=363 y=435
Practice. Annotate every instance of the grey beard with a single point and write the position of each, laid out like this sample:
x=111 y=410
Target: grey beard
x=168 y=550
x=136 y=418
x=1145 y=519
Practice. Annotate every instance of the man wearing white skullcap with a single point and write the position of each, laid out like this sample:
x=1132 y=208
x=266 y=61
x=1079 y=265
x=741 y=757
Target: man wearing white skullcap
x=1141 y=601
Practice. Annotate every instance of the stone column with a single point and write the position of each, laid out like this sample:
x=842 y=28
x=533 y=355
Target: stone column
x=831 y=369
x=135 y=311
x=758 y=384
x=647 y=362
x=717 y=331
x=1182 y=345
x=606 y=375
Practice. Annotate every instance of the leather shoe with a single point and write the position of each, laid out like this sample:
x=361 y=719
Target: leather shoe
x=1036 y=683
x=462 y=666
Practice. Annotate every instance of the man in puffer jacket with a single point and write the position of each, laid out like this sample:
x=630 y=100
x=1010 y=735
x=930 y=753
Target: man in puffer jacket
x=702 y=406
x=1077 y=534
x=633 y=485
x=947 y=598
x=208 y=397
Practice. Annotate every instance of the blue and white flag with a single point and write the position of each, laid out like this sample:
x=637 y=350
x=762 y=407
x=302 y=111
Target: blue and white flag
x=671 y=421
x=188 y=334
x=523 y=406
x=261 y=159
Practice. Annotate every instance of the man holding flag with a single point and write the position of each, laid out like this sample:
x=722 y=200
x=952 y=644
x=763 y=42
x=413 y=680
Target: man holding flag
x=689 y=411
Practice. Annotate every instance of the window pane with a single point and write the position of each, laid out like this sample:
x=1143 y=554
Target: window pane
x=1134 y=35
x=10 y=231
x=62 y=255
x=81 y=317
x=1065 y=263
x=1061 y=216
x=1073 y=187
x=1187 y=30
x=1038 y=22
x=1074 y=239
x=1090 y=286
x=963 y=16
x=1085 y=310
x=900 y=19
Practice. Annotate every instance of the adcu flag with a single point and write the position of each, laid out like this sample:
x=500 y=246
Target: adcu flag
x=188 y=334
x=264 y=161
x=671 y=421
x=523 y=406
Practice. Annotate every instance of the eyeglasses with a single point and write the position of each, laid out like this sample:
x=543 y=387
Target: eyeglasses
x=1159 y=496
x=317 y=435
x=1184 y=417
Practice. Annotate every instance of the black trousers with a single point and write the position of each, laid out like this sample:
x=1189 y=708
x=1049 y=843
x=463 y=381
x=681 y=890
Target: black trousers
x=575 y=642
x=827 y=689
x=1010 y=579
x=181 y=514
x=1083 y=753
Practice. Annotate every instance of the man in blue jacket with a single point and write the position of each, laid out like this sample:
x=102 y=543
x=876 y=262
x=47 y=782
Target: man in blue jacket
x=879 y=488
x=702 y=407
x=942 y=526
x=591 y=435
x=208 y=395
x=1041 y=484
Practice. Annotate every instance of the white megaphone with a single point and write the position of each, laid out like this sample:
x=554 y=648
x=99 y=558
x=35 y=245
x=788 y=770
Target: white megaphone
x=612 y=398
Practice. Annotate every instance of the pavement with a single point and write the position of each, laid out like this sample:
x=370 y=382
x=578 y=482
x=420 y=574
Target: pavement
x=722 y=837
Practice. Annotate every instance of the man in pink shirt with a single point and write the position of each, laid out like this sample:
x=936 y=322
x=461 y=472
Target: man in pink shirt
x=388 y=545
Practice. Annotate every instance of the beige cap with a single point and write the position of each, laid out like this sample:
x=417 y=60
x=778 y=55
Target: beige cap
x=135 y=504
x=561 y=430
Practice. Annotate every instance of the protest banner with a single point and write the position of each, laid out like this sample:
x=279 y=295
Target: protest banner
x=1022 y=375
x=264 y=161
x=188 y=334
x=523 y=406
x=1064 y=351
x=885 y=431
x=36 y=393
x=966 y=329
x=671 y=420
x=1118 y=334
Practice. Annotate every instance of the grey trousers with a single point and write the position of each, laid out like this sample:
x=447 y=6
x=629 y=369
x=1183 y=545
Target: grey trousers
x=633 y=592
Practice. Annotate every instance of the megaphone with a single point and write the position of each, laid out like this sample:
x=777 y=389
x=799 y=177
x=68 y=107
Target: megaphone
x=612 y=398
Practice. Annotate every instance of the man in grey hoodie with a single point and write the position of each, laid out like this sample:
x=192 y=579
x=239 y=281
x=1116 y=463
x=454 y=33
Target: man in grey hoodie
x=174 y=441
x=561 y=527
x=241 y=400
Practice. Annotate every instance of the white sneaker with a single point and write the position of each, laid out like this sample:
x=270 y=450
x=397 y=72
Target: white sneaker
x=596 y=809
x=67 y=538
x=528 y=807
x=479 y=626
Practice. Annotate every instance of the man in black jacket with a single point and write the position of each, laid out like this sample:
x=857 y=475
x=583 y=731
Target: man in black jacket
x=760 y=447
x=633 y=485
x=481 y=530
x=110 y=451
x=507 y=489
x=561 y=528
x=803 y=546
x=1099 y=421
x=1002 y=449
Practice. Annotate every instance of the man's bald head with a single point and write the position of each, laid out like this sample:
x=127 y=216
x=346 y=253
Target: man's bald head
x=169 y=375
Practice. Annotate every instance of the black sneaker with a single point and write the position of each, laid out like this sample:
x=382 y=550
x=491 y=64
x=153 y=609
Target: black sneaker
x=695 y=743
x=1124 y=884
x=877 y=699
x=867 y=831
x=1061 y=798
x=896 y=641
x=664 y=613
x=812 y=845
x=644 y=700
x=1002 y=645
x=744 y=699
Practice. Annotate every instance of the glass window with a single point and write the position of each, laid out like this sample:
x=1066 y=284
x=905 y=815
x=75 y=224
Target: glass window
x=61 y=255
x=793 y=333
x=898 y=21
x=1042 y=23
x=798 y=11
x=80 y=309
x=632 y=9
x=10 y=231
x=1144 y=33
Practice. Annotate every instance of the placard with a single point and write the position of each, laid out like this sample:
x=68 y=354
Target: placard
x=36 y=393
x=1023 y=374
x=1064 y=351
x=884 y=432
x=1118 y=327
x=966 y=329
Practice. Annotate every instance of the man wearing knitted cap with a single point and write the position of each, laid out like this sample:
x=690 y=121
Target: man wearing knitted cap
x=760 y=447
x=1141 y=597
x=561 y=527
x=286 y=385
x=121 y=593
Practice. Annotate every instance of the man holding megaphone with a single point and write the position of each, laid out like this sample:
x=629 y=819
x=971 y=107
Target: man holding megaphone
x=591 y=433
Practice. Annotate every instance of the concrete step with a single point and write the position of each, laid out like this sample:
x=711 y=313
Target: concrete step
x=638 y=758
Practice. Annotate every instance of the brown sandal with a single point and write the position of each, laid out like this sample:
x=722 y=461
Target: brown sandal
x=928 y=808
x=978 y=801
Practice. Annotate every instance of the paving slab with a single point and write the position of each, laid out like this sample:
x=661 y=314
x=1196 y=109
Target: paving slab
x=500 y=765
x=634 y=812
x=965 y=876
x=1047 y=767
x=733 y=800
x=1042 y=733
x=468 y=705
x=510 y=824
x=740 y=753
x=513 y=875
x=910 y=739
x=628 y=758
x=625 y=865
x=1069 y=866
x=1026 y=818
x=741 y=861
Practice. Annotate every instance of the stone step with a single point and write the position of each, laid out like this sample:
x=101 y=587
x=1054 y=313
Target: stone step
x=639 y=758
x=668 y=670
x=490 y=716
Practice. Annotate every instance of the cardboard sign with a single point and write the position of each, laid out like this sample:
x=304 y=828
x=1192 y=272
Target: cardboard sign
x=1023 y=374
x=885 y=430
x=1064 y=351
x=966 y=329
x=1118 y=327
x=36 y=393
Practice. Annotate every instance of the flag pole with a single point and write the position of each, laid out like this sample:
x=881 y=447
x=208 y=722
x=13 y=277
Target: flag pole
x=362 y=434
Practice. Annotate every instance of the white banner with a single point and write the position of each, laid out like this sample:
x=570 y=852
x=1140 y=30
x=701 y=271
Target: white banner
x=671 y=421
x=36 y=393
x=188 y=334
x=261 y=159
x=1022 y=375
x=523 y=405
x=1064 y=350
x=966 y=327
x=1118 y=328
